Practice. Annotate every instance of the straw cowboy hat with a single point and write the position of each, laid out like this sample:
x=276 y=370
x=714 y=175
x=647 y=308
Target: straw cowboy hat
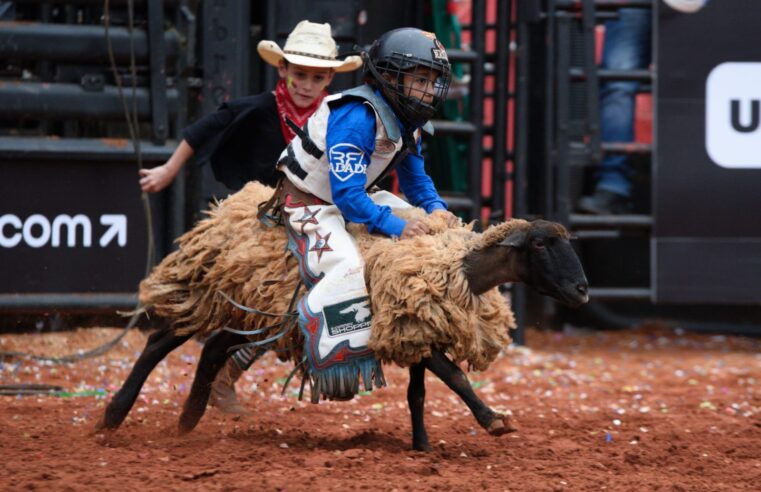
x=310 y=45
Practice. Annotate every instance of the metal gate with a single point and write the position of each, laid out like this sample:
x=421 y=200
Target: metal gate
x=74 y=230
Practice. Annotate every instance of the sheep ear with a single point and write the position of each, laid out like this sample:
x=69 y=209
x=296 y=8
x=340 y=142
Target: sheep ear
x=516 y=239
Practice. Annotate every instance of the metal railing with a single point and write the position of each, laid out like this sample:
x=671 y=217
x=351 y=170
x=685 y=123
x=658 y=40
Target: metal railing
x=549 y=36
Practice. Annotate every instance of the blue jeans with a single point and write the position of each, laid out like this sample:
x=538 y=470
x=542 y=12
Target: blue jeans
x=627 y=46
x=7 y=11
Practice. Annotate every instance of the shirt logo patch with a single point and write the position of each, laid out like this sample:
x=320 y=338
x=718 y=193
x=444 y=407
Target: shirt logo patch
x=346 y=160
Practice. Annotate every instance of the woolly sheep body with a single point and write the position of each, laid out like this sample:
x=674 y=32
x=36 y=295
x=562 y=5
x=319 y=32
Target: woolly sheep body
x=418 y=289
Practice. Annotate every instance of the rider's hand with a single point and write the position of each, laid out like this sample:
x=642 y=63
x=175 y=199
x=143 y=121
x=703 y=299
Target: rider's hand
x=156 y=179
x=452 y=219
x=414 y=228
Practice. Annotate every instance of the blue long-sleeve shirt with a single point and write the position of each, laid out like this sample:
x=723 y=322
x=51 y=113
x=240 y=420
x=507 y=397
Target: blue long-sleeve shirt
x=351 y=130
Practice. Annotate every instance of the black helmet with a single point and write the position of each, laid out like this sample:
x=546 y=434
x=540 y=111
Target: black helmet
x=403 y=50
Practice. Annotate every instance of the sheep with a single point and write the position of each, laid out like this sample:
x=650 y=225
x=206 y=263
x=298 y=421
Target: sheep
x=430 y=296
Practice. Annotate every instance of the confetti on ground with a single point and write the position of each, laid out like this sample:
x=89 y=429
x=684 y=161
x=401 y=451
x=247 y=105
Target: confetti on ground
x=646 y=409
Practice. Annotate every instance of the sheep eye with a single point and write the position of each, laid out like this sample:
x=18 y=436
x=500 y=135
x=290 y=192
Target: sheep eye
x=537 y=243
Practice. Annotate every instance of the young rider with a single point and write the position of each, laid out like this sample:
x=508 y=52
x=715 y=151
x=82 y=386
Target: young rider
x=352 y=141
x=245 y=136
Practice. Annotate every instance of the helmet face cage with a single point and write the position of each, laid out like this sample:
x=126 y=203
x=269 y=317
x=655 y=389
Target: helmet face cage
x=399 y=62
x=416 y=103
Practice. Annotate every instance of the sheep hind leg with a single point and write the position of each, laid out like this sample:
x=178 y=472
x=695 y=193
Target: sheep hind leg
x=495 y=424
x=213 y=358
x=416 y=402
x=159 y=344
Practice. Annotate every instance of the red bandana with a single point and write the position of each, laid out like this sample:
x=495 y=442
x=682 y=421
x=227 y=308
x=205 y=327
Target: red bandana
x=286 y=108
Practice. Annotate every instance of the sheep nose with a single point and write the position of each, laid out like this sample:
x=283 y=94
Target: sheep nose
x=583 y=288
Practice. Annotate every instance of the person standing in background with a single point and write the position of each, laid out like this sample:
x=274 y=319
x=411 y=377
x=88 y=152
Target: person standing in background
x=627 y=47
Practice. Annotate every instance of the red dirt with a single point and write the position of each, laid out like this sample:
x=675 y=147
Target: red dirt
x=642 y=410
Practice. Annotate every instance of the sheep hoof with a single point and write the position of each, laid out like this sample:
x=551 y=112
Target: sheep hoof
x=185 y=429
x=187 y=423
x=104 y=425
x=500 y=426
x=100 y=426
x=101 y=429
x=424 y=447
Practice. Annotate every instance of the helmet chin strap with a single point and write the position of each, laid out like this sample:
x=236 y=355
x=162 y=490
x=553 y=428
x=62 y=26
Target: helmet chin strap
x=408 y=139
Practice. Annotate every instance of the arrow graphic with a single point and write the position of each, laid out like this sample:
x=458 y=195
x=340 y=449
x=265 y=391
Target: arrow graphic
x=117 y=227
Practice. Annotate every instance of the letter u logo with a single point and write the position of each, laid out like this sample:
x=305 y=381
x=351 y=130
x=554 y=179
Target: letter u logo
x=754 y=116
x=733 y=115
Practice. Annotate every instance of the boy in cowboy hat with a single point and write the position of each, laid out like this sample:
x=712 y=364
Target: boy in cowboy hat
x=245 y=136
x=350 y=143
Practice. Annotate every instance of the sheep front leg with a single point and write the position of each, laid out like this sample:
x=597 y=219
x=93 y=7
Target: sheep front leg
x=416 y=402
x=213 y=358
x=494 y=423
x=160 y=343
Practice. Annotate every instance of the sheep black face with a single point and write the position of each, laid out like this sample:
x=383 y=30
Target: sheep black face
x=539 y=255
x=548 y=263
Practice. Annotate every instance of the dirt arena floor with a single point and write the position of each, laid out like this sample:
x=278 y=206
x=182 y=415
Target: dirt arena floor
x=650 y=409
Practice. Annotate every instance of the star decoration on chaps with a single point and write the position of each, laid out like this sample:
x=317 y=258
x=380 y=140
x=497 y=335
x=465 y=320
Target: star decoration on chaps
x=308 y=217
x=321 y=246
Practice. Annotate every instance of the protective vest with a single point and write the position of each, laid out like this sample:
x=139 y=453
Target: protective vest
x=305 y=161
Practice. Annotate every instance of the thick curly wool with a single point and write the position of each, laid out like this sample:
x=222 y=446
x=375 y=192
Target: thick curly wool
x=418 y=288
x=232 y=252
x=421 y=299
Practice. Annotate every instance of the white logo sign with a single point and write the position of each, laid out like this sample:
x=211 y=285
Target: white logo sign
x=346 y=160
x=37 y=231
x=733 y=115
x=117 y=227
